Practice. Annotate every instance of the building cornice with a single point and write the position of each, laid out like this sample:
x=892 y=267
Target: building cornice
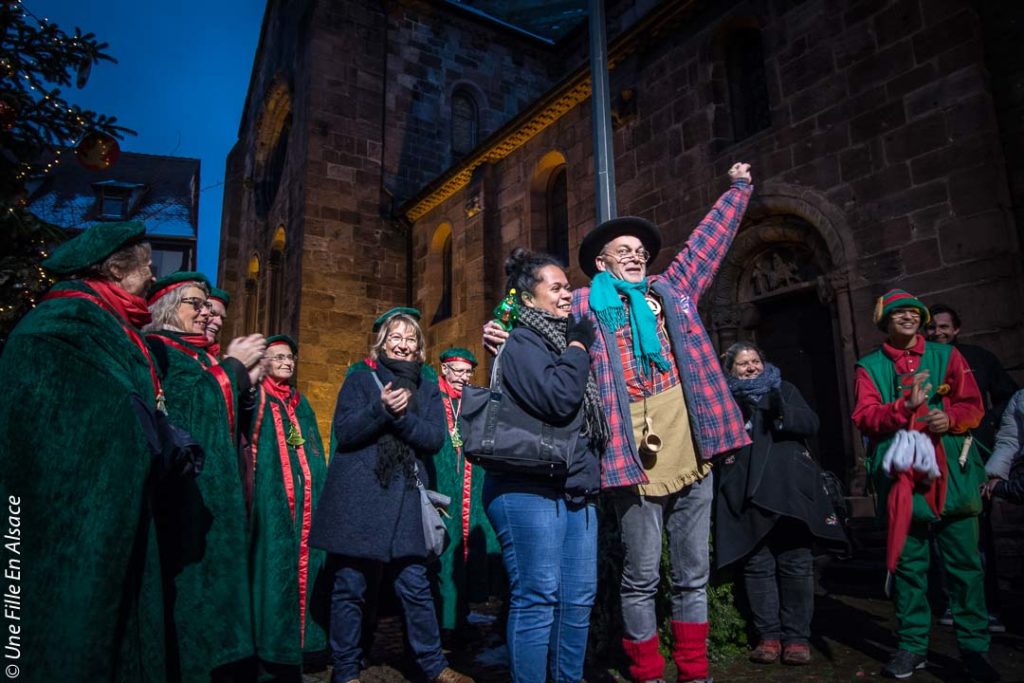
x=559 y=100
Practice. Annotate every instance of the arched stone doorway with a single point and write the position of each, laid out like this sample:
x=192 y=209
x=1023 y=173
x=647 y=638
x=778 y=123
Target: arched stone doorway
x=784 y=286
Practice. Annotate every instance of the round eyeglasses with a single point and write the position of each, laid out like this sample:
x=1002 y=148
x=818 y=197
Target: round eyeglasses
x=625 y=254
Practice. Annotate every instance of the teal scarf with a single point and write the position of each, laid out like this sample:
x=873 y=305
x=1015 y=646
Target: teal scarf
x=606 y=303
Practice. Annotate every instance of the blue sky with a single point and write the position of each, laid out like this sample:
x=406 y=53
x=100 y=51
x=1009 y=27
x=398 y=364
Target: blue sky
x=180 y=81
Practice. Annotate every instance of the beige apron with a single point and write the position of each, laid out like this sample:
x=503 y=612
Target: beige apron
x=675 y=464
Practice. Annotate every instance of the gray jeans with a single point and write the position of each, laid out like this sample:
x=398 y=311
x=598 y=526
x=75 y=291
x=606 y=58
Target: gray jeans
x=686 y=518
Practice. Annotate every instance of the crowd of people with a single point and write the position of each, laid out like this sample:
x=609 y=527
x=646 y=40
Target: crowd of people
x=183 y=521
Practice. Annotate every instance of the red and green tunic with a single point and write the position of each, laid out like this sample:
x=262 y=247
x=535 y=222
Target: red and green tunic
x=883 y=384
x=289 y=467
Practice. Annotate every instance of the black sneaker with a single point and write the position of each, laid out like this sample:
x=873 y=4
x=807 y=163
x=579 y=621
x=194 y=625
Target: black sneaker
x=903 y=664
x=978 y=667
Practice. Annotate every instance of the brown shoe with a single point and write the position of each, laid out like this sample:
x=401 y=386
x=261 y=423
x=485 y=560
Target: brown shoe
x=796 y=654
x=766 y=652
x=450 y=675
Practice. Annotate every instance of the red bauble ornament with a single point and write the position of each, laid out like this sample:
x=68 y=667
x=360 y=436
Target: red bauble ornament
x=97 y=151
x=8 y=115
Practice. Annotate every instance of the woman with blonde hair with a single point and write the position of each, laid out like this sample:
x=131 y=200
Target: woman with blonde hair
x=388 y=418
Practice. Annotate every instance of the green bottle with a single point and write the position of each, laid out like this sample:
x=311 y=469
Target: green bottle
x=505 y=312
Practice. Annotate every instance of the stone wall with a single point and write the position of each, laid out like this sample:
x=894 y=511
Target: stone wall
x=883 y=138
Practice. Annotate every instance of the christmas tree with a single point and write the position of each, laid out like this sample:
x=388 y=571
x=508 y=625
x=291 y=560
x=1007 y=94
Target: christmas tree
x=39 y=128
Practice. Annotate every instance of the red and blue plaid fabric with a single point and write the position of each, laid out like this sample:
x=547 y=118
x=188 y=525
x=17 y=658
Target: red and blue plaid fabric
x=717 y=423
x=639 y=385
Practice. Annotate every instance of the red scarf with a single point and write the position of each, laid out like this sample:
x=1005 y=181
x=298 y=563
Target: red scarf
x=279 y=389
x=448 y=389
x=197 y=340
x=129 y=306
x=214 y=348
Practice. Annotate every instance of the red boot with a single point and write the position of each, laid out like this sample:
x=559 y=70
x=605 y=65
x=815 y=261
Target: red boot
x=645 y=661
x=690 y=650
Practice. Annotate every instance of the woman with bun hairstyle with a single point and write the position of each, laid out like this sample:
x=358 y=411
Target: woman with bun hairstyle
x=547 y=526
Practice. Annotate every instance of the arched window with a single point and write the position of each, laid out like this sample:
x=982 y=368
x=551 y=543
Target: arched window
x=748 y=94
x=557 y=209
x=465 y=123
x=441 y=248
x=549 y=207
x=275 y=266
x=253 y=308
x=271 y=151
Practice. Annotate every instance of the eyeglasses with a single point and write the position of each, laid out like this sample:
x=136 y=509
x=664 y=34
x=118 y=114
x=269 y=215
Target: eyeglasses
x=468 y=372
x=625 y=254
x=395 y=339
x=283 y=357
x=909 y=314
x=196 y=303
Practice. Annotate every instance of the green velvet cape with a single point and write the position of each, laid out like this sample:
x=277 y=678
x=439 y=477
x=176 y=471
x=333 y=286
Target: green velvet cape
x=80 y=544
x=279 y=539
x=462 y=579
x=203 y=522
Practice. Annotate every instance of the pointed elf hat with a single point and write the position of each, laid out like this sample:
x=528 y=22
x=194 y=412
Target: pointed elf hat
x=897 y=298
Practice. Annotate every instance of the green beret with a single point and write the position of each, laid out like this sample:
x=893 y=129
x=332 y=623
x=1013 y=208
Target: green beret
x=283 y=339
x=169 y=283
x=92 y=246
x=458 y=353
x=218 y=293
x=411 y=312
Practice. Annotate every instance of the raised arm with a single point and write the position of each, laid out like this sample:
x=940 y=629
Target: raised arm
x=694 y=267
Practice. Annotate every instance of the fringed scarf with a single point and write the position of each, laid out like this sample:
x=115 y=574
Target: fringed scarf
x=606 y=302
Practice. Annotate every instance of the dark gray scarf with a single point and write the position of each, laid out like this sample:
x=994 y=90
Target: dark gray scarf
x=595 y=425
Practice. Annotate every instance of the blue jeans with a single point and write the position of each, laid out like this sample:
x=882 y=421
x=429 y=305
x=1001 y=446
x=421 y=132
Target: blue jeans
x=356 y=578
x=779 y=578
x=685 y=516
x=550 y=551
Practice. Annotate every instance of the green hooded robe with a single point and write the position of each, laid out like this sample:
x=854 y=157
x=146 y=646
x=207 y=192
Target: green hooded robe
x=289 y=469
x=75 y=484
x=203 y=522
x=468 y=567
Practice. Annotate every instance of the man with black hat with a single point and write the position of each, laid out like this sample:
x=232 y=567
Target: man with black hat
x=670 y=412
x=916 y=403
x=76 y=470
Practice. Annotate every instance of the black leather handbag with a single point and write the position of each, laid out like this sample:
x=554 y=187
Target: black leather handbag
x=499 y=434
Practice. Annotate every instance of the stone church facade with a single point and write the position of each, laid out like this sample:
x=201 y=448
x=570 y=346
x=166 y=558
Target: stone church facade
x=394 y=151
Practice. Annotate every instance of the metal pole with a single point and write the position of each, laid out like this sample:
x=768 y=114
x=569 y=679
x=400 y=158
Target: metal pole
x=604 y=157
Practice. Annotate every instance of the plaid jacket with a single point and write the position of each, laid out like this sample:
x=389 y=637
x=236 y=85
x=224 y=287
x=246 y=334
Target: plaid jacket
x=715 y=420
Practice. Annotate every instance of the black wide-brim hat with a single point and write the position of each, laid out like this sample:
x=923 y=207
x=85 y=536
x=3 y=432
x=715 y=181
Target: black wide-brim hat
x=595 y=240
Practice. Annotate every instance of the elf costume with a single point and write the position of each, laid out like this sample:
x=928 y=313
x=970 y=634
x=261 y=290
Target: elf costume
x=915 y=504
x=289 y=469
